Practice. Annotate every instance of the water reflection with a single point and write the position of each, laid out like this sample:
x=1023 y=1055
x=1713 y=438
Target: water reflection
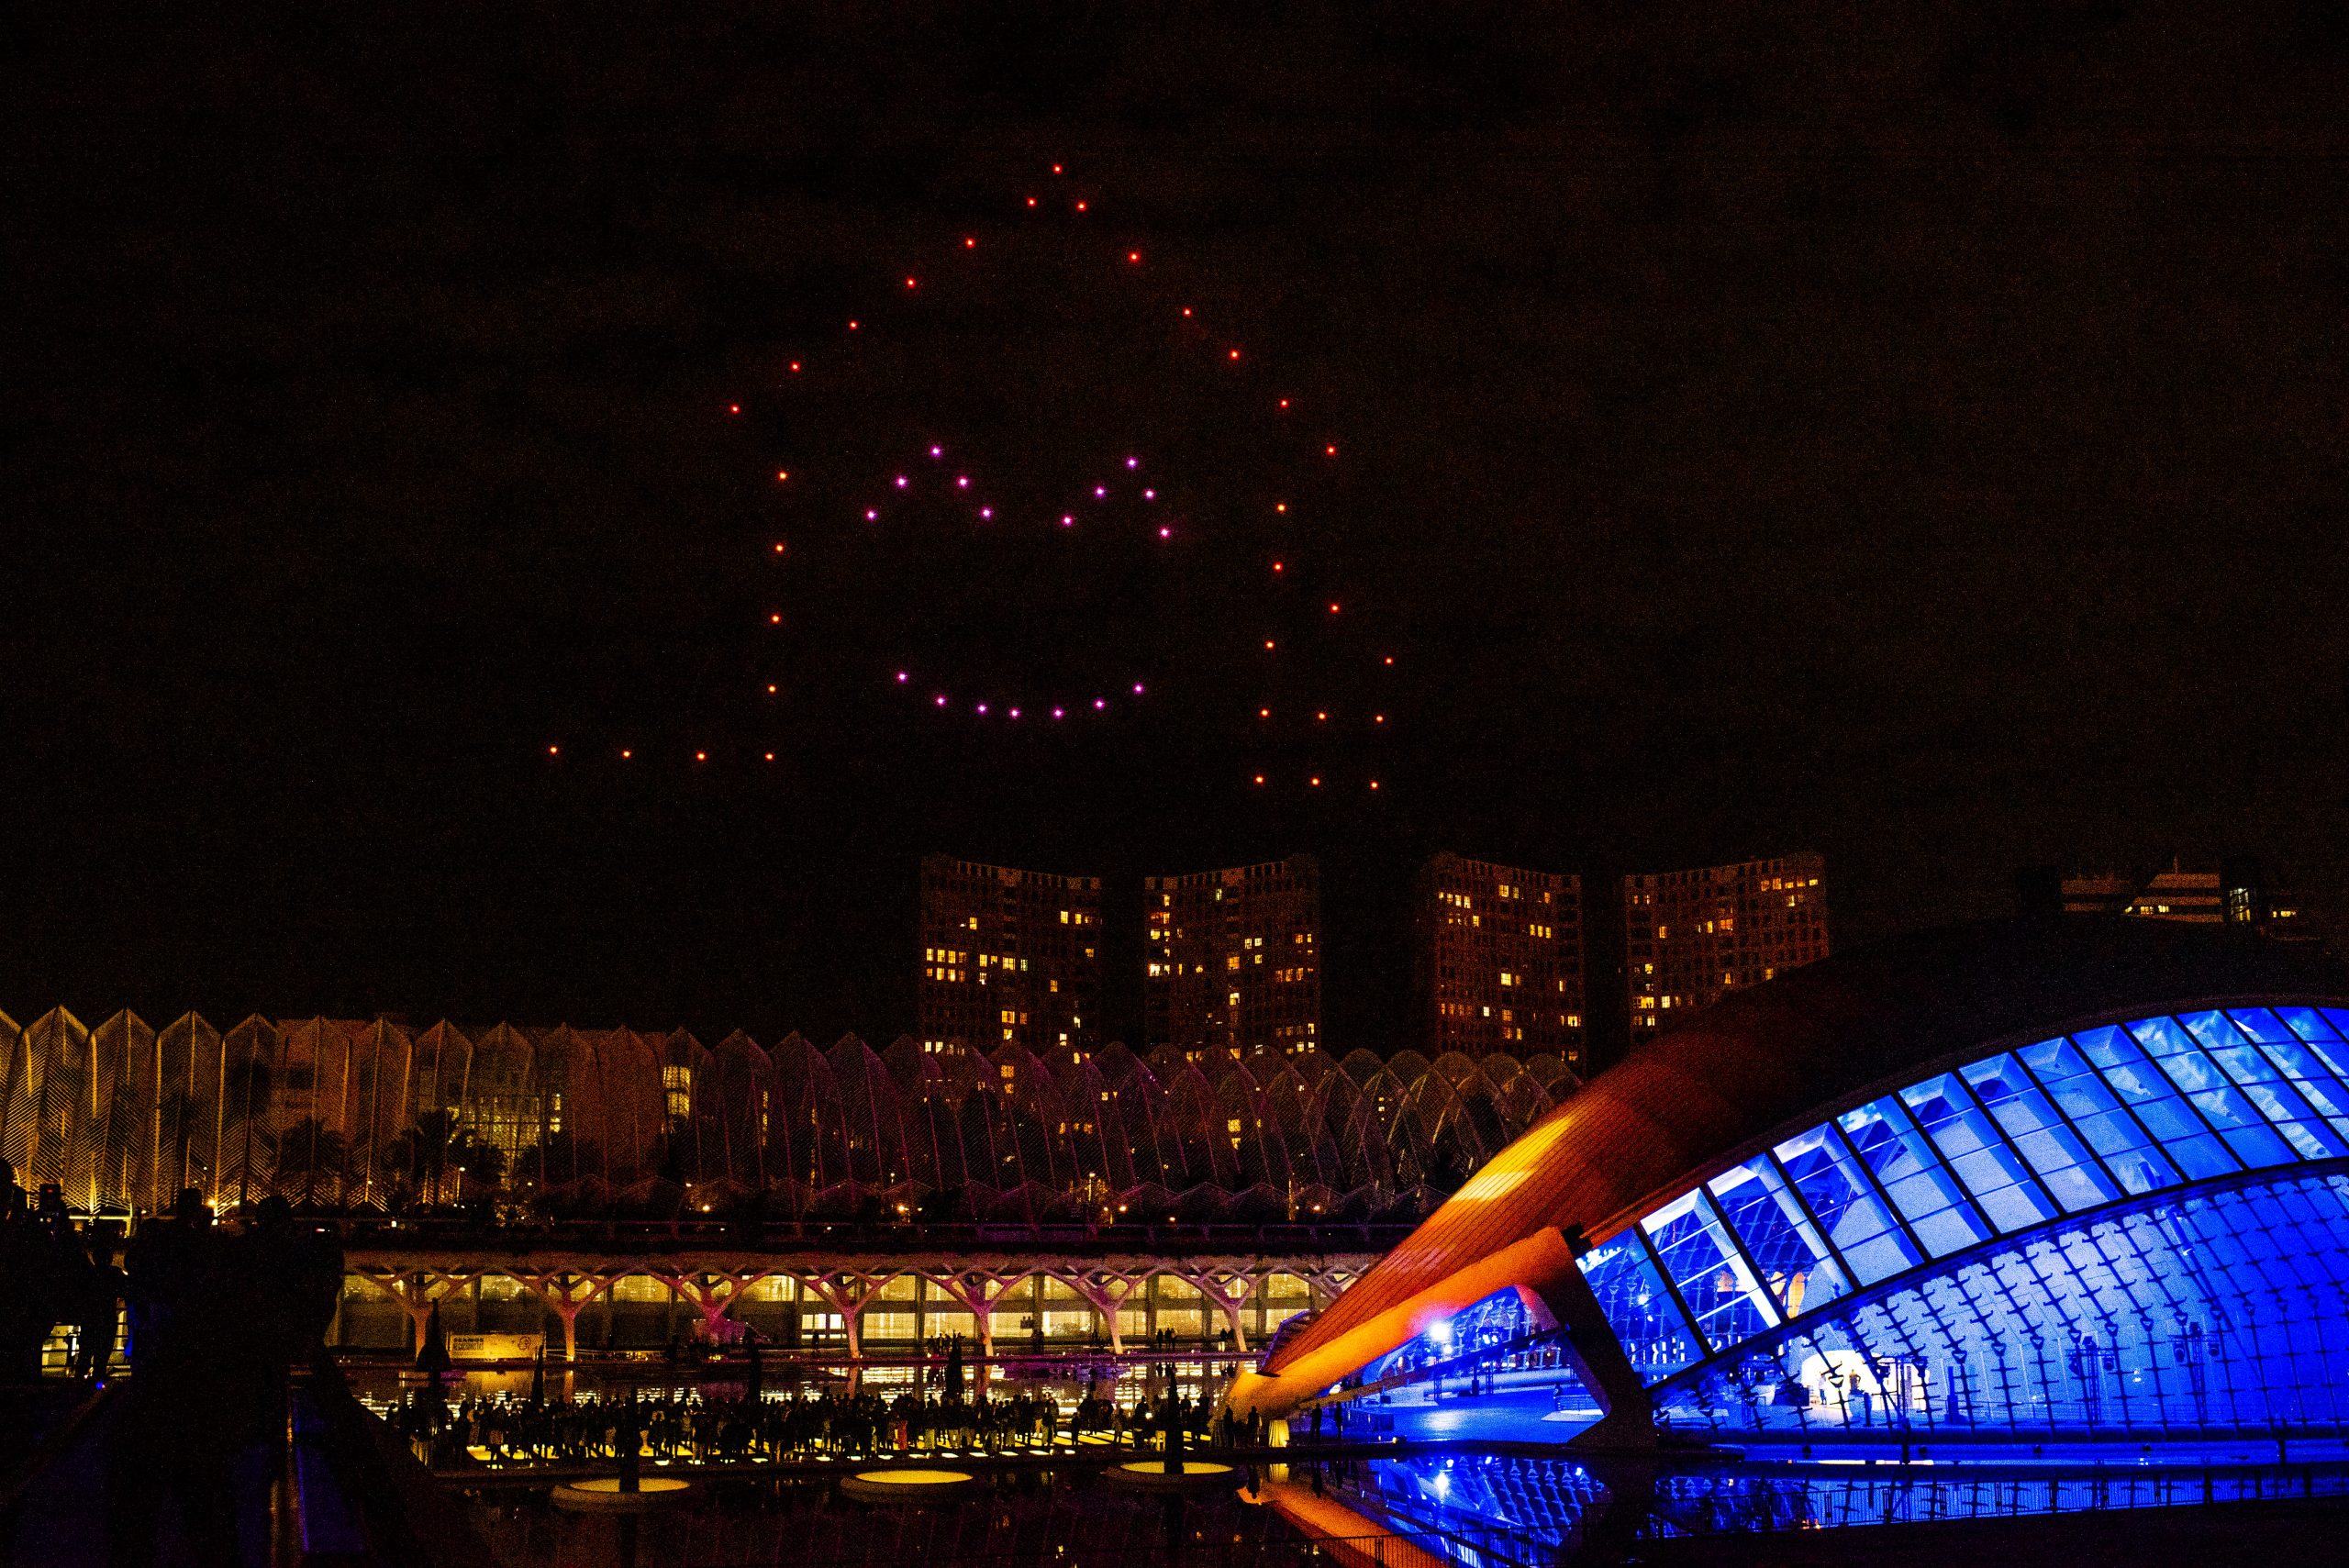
x=1494 y=1509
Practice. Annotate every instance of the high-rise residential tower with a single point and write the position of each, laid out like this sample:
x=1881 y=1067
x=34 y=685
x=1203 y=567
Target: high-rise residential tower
x=1233 y=959
x=1008 y=956
x=1497 y=960
x=1691 y=937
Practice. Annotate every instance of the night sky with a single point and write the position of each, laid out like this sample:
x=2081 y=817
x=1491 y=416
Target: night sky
x=1913 y=435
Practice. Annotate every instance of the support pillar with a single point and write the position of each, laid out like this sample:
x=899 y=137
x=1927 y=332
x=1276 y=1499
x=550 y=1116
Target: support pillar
x=1596 y=1356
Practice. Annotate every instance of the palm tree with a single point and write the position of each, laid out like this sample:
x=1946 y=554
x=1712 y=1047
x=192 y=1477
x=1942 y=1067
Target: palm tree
x=310 y=1153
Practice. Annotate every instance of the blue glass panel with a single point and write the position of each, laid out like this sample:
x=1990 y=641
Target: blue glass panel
x=1729 y=1303
x=2320 y=1088
x=1500 y=1321
x=1839 y=1192
x=2112 y=1131
x=2040 y=1135
x=2187 y=1140
x=1642 y=1312
x=2176 y=1314
x=2246 y=1130
x=1912 y=1175
x=2338 y=1019
x=2261 y=1025
x=2265 y=1086
x=1992 y=1171
x=2320 y=1036
x=1779 y=1236
x=2307 y=1023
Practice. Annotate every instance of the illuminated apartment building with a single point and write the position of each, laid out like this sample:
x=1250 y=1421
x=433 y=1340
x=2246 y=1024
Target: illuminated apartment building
x=1233 y=959
x=1497 y=960
x=1691 y=937
x=2237 y=893
x=1007 y=955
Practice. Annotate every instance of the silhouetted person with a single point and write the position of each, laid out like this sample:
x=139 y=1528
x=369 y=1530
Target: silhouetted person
x=194 y=1402
x=100 y=1299
x=37 y=1280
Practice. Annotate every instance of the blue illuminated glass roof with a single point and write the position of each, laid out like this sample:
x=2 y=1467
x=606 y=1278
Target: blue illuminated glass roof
x=2010 y=1142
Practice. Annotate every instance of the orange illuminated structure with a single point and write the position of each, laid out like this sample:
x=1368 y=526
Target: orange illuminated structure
x=1692 y=937
x=1497 y=960
x=1233 y=960
x=1007 y=957
x=1867 y=1164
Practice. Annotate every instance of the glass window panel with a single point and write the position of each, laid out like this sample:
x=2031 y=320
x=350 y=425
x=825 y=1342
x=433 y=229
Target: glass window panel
x=2318 y=1087
x=2338 y=1018
x=1991 y=1171
x=2308 y=1023
x=1720 y=1289
x=2261 y=1082
x=2112 y=1131
x=2183 y=1135
x=2261 y=1025
x=2246 y=1130
x=1779 y=1236
x=1640 y=1312
x=2040 y=1135
x=2300 y=1126
x=1839 y=1192
x=1912 y=1175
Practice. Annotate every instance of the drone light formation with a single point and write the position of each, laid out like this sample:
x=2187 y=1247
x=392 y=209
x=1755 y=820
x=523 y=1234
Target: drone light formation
x=915 y=504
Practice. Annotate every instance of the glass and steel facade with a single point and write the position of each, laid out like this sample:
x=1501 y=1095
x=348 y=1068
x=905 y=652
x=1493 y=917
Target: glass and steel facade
x=2139 y=1227
x=369 y=1116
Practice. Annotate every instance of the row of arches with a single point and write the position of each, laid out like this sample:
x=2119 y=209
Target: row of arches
x=373 y=1117
x=870 y=1304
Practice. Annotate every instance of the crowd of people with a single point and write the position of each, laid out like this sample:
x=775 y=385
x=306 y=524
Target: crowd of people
x=52 y=1273
x=704 y=1428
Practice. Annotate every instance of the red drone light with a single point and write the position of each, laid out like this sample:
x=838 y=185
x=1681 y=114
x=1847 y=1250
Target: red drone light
x=733 y=408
